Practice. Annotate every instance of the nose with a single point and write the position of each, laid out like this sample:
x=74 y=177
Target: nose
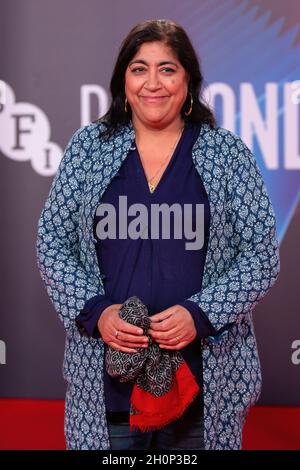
x=152 y=82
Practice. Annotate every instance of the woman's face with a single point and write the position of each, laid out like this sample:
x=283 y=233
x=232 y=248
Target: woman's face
x=156 y=85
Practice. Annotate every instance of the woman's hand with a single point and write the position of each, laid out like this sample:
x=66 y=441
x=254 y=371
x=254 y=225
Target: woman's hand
x=173 y=328
x=119 y=334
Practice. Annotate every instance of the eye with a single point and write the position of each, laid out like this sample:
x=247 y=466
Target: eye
x=138 y=69
x=168 y=70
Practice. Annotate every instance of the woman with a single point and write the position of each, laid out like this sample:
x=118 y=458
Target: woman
x=158 y=144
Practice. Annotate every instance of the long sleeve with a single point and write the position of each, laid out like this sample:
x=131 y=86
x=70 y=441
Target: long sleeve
x=68 y=285
x=90 y=314
x=252 y=234
x=202 y=324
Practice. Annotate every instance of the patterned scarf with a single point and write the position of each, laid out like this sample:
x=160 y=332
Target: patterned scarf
x=163 y=386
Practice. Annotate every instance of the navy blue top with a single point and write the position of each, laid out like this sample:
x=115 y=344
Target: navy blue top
x=161 y=272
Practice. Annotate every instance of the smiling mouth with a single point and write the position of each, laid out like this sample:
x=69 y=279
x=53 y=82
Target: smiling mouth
x=153 y=98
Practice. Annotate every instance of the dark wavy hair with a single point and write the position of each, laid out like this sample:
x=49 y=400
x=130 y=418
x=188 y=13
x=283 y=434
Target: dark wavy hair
x=174 y=36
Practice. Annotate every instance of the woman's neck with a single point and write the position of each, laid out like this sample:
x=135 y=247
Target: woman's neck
x=147 y=133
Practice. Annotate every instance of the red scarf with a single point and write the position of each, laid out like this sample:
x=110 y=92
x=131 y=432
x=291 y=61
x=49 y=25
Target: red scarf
x=163 y=386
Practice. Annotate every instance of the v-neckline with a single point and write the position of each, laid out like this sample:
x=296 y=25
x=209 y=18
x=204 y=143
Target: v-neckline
x=165 y=170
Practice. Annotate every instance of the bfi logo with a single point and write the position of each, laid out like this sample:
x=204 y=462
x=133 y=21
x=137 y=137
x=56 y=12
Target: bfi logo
x=2 y=94
x=25 y=129
x=25 y=133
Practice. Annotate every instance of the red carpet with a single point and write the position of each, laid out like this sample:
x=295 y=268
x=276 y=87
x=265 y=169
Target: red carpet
x=38 y=424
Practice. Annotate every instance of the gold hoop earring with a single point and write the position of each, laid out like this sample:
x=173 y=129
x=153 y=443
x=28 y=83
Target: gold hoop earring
x=125 y=107
x=191 y=106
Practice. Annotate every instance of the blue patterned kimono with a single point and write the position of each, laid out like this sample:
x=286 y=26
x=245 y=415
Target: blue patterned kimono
x=242 y=264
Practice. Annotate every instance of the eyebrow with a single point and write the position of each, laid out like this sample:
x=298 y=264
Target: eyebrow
x=142 y=61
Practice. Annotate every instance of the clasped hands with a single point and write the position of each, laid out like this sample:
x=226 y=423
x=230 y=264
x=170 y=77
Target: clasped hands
x=172 y=329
